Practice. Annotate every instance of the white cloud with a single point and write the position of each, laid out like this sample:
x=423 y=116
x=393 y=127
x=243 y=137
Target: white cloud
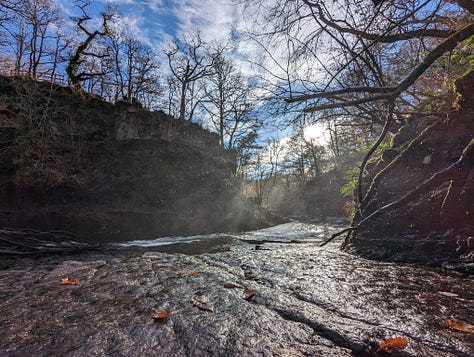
x=214 y=18
x=155 y=5
x=121 y=2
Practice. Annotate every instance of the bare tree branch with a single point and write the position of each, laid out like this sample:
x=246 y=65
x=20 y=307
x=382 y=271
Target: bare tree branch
x=389 y=92
x=384 y=38
x=349 y=103
x=329 y=94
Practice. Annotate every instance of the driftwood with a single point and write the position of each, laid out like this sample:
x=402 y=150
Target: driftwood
x=29 y=241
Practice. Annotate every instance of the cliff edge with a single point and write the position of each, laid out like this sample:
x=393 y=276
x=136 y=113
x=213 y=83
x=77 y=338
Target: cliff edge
x=112 y=172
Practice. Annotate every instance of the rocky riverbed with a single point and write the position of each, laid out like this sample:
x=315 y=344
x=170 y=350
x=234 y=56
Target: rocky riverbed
x=271 y=292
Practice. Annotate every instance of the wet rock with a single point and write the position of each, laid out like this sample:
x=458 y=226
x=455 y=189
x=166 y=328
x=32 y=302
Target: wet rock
x=305 y=303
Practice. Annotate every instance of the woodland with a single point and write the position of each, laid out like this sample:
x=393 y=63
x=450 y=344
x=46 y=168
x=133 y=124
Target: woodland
x=301 y=187
x=379 y=77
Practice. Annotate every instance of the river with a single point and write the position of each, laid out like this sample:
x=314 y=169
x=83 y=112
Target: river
x=304 y=300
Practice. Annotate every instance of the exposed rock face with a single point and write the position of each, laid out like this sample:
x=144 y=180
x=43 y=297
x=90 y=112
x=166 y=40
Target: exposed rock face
x=436 y=223
x=110 y=172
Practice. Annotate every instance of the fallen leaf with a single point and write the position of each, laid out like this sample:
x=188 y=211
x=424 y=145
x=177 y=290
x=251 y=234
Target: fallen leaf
x=351 y=270
x=202 y=302
x=161 y=316
x=248 y=294
x=196 y=272
x=67 y=281
x=227 y=255
x=230 y=285
x=393 y=344
x=459 y=325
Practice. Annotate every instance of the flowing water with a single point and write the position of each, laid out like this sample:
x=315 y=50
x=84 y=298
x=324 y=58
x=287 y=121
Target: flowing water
x=307 y=300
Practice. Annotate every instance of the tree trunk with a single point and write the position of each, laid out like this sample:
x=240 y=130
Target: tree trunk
x=182 y=106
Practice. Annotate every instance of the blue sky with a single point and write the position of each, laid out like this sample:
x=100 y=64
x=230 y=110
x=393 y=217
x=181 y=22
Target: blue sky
x=156 y=19
x=160 y=20
x=157 y=22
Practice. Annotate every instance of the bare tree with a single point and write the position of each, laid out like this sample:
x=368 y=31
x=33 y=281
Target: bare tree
x=229 y=101
x=353 y=96
x=27 y=28
x=188 y=61
x=82 y=52
x=372 y=62
x=8 y=9
x=132 y=67
x=39 y=15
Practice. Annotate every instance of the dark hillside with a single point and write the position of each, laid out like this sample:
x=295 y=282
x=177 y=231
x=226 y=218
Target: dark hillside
x=110 y=172
x=432 y=162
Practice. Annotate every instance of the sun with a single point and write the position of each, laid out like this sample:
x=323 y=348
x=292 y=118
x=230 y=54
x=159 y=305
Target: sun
x=316 y=133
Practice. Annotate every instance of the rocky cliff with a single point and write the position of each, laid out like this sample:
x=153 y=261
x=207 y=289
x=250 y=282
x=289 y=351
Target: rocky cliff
x=422 y=189
x=110 y=172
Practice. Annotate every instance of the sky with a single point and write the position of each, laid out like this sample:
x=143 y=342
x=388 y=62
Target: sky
x=158 y=22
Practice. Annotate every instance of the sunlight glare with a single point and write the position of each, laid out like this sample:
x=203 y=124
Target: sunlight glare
x=316 y=133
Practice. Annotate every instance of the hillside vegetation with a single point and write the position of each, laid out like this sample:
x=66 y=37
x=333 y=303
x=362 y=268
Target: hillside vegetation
x=111 y=172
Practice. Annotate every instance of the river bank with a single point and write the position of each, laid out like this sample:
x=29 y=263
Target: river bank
x=304 y=301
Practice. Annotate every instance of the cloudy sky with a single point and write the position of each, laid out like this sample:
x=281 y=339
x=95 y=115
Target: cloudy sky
x=160 y=20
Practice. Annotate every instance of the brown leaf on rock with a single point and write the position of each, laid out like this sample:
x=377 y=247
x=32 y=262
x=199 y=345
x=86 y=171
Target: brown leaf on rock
x=196 y=272
x=161 y=316
x=227 y=255
x=248 y=294
x=459 y=325
x=393 y=344
x=67 y=281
